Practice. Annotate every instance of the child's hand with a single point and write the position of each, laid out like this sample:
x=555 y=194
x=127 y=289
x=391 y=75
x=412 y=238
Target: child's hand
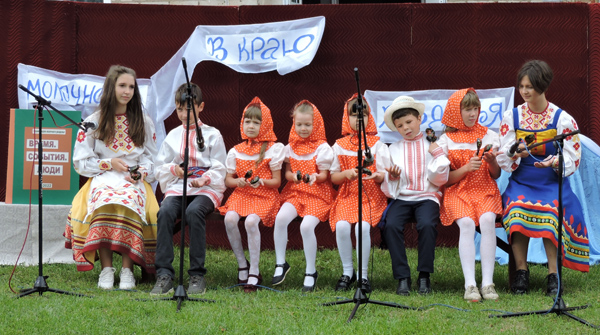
x=241 y=182
x=178 y=171
x=474 y=164
x=394 y=172
x=199 y=182
x=351 y=174
x=377 y=176
x=119 y=165
x=129 y=179
x=545 y=163
x=297 y=177
x=313 y=178
x=490 y=156
x=257 y=184
x=432 y=147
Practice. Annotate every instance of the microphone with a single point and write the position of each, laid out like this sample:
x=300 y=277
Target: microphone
x=184 y=63
x=199 y=139
x=89 y=125
x=368 y=161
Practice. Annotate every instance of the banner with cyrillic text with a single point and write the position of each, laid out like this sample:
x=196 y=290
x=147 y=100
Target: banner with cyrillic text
x=80 y=92
x=493 y=104
x=284 y=46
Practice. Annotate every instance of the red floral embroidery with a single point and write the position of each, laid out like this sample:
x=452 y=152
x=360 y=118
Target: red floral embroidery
x=567 y=130
x=577 y=163
x=504 y=129
x=104 y=165
x=576 y=146
x=574 y=124
x=80 y=136
x=154 y=137
x=514 y=166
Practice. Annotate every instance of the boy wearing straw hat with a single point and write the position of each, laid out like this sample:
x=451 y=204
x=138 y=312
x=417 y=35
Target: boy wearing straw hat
x=412 y=182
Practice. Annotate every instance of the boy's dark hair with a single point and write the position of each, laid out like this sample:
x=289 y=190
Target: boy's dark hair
x=402 y=112
x=539 y=73
x=181 y=94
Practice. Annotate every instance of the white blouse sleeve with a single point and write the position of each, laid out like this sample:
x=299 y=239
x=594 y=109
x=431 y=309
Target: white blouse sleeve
x=164 y=165
x=146 y=160
x=438 y=168
x=230 y=161
x=335 y=164
x=572 y=144
x=85 y=159
x=277 y=155
x=218 y=156
x=508 y=137
x=324 y=157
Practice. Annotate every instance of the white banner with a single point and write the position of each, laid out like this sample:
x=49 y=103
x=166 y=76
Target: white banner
x=493 y=104
x=65 y=91
x=284 y=46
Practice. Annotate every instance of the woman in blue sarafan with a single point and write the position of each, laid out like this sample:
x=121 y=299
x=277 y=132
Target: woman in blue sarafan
x=531 y=198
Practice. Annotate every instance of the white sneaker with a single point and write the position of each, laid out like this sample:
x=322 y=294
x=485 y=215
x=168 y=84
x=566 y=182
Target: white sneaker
x=472 y=294
x=127 y=280
x=107 y=278
x=489 y=293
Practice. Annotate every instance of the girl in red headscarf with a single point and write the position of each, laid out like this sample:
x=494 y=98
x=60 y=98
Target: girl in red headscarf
x=253 y=170
x=344 y=211
x=308 y=193
x=471 y=197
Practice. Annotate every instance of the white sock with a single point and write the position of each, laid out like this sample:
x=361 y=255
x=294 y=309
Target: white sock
x=487 y=248
x=344 y=244
x=466 y=249
x=286 y=214
x=366 y=247
x=307 y=229
x=235 y=239
x=251 y=224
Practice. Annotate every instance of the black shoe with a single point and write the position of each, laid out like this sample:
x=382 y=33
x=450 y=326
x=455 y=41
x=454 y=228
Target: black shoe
x=344 y=282
x=279 y=279
x=520 y=284
x=314 y=285
x=365 y=285
x=424 y=286
x=403 y=286
x=552 y=288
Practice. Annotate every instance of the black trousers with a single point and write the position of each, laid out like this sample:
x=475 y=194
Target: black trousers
x=427 y=215
x=170 y=210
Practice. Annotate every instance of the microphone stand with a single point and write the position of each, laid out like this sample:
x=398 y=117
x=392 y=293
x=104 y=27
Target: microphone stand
x=559 y=306
x=40 y=286
x=180 y=294
x=360 y=296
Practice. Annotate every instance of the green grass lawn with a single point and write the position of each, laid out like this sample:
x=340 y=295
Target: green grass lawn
x=287 y=310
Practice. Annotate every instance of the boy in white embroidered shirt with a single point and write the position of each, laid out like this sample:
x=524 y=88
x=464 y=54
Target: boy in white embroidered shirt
x=413 y=185
x=206 y=184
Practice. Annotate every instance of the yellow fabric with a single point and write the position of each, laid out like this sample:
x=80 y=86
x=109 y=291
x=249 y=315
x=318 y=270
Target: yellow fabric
x=540 y=136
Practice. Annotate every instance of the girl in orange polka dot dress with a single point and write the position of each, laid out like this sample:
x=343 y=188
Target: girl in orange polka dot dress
x=308 y=194
x=471 y=196
x=254 y=171
x=344 y=211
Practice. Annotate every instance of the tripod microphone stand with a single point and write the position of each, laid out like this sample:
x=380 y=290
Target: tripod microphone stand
x=40 y=286
x=559 y=306
x=180 y=294
x=360 y=296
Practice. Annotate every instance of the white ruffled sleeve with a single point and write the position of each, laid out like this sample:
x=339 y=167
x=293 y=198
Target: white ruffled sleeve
x=572 y=145
x=230 y=161
x=277 y=155
x=324 y=157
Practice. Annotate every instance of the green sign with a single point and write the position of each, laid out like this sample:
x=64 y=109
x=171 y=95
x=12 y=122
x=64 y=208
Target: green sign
x=60 y=182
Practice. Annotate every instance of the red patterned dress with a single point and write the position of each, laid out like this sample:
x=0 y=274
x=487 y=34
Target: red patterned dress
x=108 y=211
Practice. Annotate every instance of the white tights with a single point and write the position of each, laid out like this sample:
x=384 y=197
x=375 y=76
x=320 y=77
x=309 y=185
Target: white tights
x=344 y=244
x=487 y=249
x=286 y=214
x=235 y=239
